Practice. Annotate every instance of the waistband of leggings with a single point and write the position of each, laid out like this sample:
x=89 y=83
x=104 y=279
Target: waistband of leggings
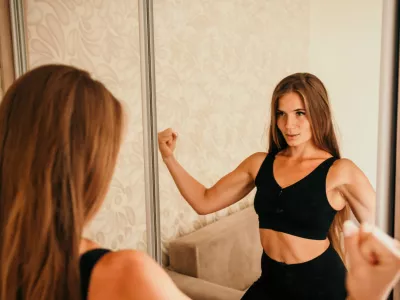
x=327 y=254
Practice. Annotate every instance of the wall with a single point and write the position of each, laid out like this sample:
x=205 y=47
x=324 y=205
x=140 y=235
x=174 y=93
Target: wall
x=103 y=38
x=216 y=65
x=345 y=40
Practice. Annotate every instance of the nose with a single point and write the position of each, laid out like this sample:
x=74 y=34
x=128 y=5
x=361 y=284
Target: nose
x=290 y=122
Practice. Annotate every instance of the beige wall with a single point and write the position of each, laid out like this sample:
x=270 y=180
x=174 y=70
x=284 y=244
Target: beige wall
x=216 y=65
x=103 y=38
x=345 y=40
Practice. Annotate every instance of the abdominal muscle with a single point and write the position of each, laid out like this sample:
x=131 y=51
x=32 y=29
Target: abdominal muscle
x=291 y=249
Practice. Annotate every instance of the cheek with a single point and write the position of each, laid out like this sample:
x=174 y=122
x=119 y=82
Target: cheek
x=306 y=127
x=304 y=123
x=279 y=123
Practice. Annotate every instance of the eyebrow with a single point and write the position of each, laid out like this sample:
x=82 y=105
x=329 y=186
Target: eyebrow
x=296 y=110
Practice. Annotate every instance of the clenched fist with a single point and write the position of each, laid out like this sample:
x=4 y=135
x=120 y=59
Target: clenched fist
x=167 y=142
x=374 y=262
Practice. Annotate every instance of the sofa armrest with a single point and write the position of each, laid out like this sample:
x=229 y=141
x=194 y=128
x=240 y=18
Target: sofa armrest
x=198 y=289
x=227 y=252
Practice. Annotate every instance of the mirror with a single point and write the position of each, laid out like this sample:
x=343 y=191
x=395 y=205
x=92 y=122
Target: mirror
x=217 y=63
x=101 y=37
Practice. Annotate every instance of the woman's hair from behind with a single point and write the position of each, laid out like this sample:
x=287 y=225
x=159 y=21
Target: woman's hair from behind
x=60 y=134
x=315 y=97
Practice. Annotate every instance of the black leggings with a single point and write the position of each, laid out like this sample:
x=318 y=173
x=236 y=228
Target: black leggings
x=322 y=278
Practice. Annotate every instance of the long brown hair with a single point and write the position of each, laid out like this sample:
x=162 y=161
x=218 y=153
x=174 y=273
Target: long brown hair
x=315 y=96
x=60 y=133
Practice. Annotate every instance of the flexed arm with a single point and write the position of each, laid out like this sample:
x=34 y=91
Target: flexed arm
x=356 y=190
x=228 y=190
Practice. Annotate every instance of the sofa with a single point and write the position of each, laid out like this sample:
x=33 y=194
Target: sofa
x=219 y=261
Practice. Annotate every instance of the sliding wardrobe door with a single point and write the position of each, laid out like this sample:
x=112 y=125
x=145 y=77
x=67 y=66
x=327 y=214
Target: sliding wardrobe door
x=101 y=37
x=388 y=175
x=396 y=295
x=6 y=57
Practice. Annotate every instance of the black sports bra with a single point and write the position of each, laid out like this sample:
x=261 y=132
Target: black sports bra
x=301 y=209
x=87 y=262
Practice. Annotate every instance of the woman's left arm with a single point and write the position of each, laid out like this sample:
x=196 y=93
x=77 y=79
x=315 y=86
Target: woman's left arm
x=356 y=189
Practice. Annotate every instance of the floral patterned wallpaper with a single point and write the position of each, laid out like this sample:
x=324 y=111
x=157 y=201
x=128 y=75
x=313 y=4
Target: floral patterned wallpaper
x=103 y=38
x=216 y=65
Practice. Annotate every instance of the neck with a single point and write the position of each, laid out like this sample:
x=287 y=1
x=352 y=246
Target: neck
x=302 y=151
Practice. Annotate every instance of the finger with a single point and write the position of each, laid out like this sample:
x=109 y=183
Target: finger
x=164 y=138
x=365 y=233
x=166 y=132
x=379 y=245
x=351 y=243
x=397 y=244
x=390 y=243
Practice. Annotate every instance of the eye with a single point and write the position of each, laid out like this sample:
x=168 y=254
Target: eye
x=279 y=113
x=300 y=113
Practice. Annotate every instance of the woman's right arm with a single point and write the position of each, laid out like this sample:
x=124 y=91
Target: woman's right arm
x=228 y=190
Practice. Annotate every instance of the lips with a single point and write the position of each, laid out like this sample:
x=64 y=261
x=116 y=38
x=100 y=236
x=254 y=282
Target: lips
x=292 y=136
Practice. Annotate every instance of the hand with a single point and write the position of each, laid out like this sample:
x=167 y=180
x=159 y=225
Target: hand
x=374 y=262
x=167 y=142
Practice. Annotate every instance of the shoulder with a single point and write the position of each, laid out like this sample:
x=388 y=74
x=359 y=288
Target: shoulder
x=345 y=171
x=87 y=245
x=253 y=163
x=256 y=158
x=128 y=274
x=344 y=166
x=125 y=264
x=126 y=260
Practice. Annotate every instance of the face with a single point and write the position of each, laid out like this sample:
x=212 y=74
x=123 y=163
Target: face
x=292 y=120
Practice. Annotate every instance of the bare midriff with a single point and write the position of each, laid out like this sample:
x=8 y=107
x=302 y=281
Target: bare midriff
x=291 y=249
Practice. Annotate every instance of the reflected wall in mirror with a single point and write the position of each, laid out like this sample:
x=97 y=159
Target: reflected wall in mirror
x=217 y=63
x=101 y=37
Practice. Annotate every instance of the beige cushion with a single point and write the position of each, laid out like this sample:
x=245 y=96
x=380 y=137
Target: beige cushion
x=199 y=289
x=227 y=252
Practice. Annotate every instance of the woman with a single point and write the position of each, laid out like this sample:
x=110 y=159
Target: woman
x=374 y=262
x=304 y=191
x=60 y=134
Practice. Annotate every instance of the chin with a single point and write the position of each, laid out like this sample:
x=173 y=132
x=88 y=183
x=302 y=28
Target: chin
x=295 y=143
